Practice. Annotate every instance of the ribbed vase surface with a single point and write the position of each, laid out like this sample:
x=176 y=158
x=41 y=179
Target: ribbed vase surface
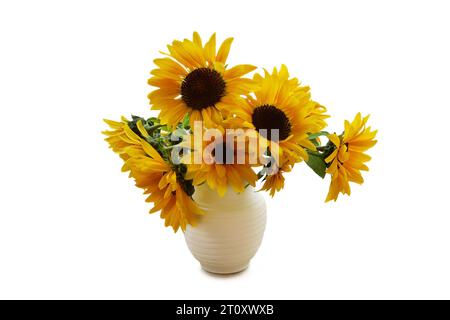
x=227 y=237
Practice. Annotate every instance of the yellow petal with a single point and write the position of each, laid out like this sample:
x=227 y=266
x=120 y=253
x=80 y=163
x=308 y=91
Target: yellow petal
x=170 y=65
x=224 y=49
x=210 y=49
x=197 y=40
x=238 y=71
x=334 y=139
x=141 y=129
x=151 y=151
x=332 y=156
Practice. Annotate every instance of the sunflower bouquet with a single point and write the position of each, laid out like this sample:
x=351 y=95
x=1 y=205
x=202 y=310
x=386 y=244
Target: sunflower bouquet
x=217 y=127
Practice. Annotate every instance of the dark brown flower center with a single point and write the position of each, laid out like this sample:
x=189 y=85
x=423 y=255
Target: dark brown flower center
x=269 y=117
x=202 y=88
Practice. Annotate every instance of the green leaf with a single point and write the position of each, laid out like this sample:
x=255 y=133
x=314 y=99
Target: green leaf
x=317 y=164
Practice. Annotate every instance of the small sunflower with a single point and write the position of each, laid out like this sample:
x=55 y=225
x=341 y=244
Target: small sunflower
x=220 y=163
x=281 y=103
x=275 y=182
x=168 y=190
x=347 y=160
x=194 y=80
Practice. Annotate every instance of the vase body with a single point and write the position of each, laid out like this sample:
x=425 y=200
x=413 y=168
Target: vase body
x=227 y=237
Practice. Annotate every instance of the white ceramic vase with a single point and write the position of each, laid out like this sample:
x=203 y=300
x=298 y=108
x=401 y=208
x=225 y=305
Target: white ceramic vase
x=227 y=237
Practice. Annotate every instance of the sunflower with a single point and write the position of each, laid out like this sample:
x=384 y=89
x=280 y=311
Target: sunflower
x=220 y=162
x=282 y=104
x=347 y=160
x=275 y=182
x=193 y=79
x=164 y=183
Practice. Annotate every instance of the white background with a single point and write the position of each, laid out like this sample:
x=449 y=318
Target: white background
x=73 y=226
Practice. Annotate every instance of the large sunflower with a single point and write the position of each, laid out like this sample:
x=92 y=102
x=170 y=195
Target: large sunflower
x=163 y=182
x=281 y=103
x=220 y=162
x=194 y=80
x=347 y=160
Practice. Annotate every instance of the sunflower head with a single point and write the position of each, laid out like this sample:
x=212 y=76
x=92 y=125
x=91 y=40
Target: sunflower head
x=281 y=111
x=194 y=79
x=348 y=159
x=220 y=161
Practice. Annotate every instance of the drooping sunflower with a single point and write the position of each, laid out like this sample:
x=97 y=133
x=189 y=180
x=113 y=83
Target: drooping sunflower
x=220 y=162
x=166 y=186
x=194 y=79
x=347 y=161
x=280 y=103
